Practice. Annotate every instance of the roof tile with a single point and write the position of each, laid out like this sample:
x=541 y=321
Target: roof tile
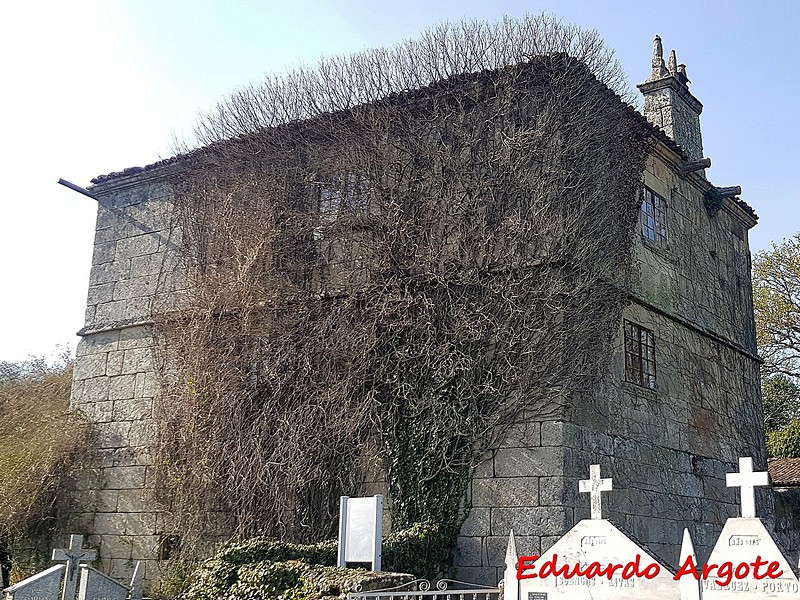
x=784 y=471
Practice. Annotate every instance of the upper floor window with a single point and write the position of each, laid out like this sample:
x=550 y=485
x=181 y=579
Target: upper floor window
x=653 y=217
x=640 y=355
x=342 y=195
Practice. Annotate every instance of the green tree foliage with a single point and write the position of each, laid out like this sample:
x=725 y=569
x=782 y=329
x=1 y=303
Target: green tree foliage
x=781 y=401
x=776 y=300
x=784 y=443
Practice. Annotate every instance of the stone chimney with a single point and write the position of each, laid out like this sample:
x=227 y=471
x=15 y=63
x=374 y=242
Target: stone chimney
x=669 y=104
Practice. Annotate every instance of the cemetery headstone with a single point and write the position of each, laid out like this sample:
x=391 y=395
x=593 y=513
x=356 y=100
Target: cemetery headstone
x=42 y=586
x=73 y=556
x=689 y=587
x=360 y=531
x=88 y=583
x=747 y=481
x=136 y=582
x=594 y=560
x=745 y=552
x=98 y=586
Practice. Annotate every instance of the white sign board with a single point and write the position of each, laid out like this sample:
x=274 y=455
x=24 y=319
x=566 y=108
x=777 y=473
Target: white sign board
x=360 y=531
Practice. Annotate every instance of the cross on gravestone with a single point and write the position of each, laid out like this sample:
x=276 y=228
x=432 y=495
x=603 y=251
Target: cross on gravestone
x=73 y=556
x=747 y=480
x=595 y=487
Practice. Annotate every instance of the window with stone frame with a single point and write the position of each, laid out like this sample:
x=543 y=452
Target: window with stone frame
x=340 y=197
x=640 y=355
x=653 y=217
x=343 y=195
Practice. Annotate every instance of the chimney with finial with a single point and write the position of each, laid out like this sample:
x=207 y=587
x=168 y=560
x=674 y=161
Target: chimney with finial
x=669 y=104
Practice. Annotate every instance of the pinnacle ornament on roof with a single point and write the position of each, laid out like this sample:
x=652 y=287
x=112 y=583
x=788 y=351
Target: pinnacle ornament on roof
x=659 y=68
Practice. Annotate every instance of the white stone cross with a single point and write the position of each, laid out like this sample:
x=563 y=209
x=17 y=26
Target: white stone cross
x=748 y=481
x=595 y=487
x=73 y=556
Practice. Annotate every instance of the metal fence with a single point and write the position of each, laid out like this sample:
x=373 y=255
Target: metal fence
x=422 y=589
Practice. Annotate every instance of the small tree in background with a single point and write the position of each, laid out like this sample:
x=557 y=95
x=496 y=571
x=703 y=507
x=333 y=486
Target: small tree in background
x=776 y=300
x=781 y=401
x=785 y=443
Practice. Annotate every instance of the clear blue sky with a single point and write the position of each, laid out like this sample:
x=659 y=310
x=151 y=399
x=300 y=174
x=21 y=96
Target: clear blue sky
x=93 y=87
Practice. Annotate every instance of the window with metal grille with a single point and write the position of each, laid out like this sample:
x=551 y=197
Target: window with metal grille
x=640 y=355
x=653 y=217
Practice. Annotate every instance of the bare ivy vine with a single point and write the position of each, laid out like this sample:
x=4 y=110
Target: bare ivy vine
x=390 y=261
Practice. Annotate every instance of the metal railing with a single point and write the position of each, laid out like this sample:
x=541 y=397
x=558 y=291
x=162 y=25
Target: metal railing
x=421 y=589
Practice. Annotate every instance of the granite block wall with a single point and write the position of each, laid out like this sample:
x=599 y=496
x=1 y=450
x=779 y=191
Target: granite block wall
x=664 y=108
x=667 y=449
x=115 y=379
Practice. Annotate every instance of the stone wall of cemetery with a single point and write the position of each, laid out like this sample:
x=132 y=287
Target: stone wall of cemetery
x=667 y=449
x=114 y=379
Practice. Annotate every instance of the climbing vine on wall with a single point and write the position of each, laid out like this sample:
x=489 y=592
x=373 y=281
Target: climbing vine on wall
x=383 y=281
x=713 y=200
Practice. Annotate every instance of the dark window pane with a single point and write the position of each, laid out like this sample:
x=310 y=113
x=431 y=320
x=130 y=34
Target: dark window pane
x=640 y=355
x=653 y=217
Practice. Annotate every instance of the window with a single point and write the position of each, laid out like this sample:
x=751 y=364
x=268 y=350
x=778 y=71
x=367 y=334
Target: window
x=654 y=217
x=343 y=195
x=339 y=197
x=640 y=355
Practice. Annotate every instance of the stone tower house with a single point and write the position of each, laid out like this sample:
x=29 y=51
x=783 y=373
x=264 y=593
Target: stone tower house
x=680 y=404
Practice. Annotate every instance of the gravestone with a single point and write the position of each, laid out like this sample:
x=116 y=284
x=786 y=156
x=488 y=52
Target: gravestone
x=594 y=486
x=98 y=586
x=688 y=586
x=136 y=582
x=94 y=585
x=73 y=556
x=603 y=555
x=42 y=586
x=360 y=531
x=743 y=541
